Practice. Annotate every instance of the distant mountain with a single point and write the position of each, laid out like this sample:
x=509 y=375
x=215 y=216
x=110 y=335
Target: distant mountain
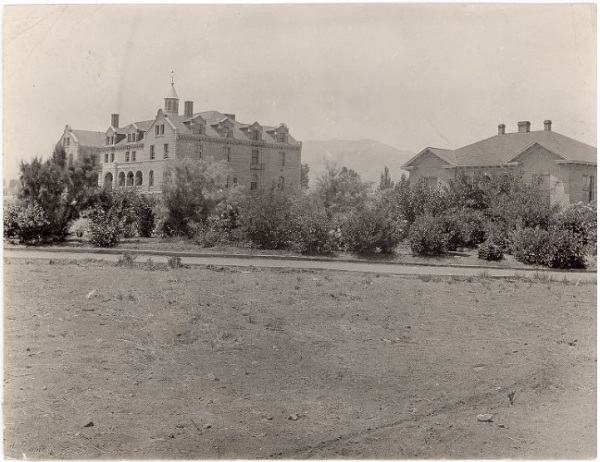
x=367 y=157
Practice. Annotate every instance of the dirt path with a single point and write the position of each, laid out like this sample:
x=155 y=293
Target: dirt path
x=109 y=362
x=360 y=267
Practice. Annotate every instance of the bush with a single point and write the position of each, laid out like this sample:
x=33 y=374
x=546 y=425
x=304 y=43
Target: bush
x=25 y=224
x=490 y=251
x=105 y=227
x=315 y=232
x=581 y=220
x=374 y=227
x=267 y=219
x=427 y=236
x=464 y=227
x=62 y=190
x=556 y=248
x=191 y=190
x=144 y=210
x=566 y=249
x=530 y=245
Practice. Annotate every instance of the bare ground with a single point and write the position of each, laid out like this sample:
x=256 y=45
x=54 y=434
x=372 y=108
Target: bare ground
x=250 y=363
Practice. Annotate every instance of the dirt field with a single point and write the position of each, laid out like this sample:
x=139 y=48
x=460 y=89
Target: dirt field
x=236 y=363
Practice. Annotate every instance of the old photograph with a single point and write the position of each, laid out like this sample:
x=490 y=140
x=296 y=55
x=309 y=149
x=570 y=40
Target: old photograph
x=290 y=231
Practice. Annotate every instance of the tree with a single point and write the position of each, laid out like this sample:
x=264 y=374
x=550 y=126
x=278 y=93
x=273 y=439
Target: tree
x=191 y=190
x=304 y=179
x=385 y=182
x=61 y=190
x=341 y=190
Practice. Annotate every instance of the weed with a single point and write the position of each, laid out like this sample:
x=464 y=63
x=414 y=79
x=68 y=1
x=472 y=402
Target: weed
x=127 y=259
x=51 y=262
x=425 y=277
x=484 y=273
x=511 y=397
x=174 y=262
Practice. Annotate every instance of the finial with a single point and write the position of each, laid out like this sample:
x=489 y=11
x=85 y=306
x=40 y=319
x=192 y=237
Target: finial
x=172 y=74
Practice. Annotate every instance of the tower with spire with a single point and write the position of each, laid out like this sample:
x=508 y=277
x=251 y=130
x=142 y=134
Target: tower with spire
x=172 y=100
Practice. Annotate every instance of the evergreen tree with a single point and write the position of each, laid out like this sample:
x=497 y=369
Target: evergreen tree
x=385 y=182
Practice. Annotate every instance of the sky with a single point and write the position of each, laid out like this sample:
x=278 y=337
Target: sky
x=408 y=75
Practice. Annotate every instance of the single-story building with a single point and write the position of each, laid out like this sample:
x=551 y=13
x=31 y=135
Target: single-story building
x=564 y=167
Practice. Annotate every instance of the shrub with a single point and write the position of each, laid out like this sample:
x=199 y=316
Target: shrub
x=530 y=245
x=581 y=220
x=127 y=259
x=341 y=190
x=412 y=201
x=105 y=227
x=174 y=262
x=315 y=232
x=464 y=227
x=427 y=237
x=61 y=189
x=490 y=251
x=144 y=210
x=25 y=224
x=191 y=190
x=374 y=227
x=566 y=249
x=267 y=219
x=556 y=248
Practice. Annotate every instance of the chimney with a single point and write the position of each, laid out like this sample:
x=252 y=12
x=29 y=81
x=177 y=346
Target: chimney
x=230 y=116
x=501 y=129
x=548 y=125
x=524 y=127
x=188 y=109
x=114 y=120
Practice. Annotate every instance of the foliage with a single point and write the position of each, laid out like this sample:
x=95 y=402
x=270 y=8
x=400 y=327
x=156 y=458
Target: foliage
x=174 y=262
x=413 y=201
x=385 y=182
x=304 y=176
x=118 y=213
x=340 y=190
x=314 y=232
x=464 y=227
x=427 y=236
x=581 y=220
x=490 y=251
x=61 y=189
x=25 y=224
x=554 y=247
x=374 y=227
x=191 y=190
x=267 y=219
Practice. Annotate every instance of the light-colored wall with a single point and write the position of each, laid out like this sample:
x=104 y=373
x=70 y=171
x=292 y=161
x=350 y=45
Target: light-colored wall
x=181 y=146
x=576 y=175
x=429 y=165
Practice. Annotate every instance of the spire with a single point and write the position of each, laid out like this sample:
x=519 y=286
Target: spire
x=172 y=100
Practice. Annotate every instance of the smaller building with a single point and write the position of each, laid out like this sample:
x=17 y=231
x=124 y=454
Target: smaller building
x=79 y=144
x=562 y=166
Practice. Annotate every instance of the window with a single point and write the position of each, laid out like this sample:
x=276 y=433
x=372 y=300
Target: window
x=152 y=152
x=121 y=179
x=151 y=178
x=156 y=130
x=235 y=182
x=256 y=134
x=112 y=139
x=431 y=181
x=280 y=183
x=282 y=159
x=106 y=158
x=107 y=140
x=67 y=141
x=139 y=179
x=589 y=185
x=199 y=151
x=254 y=183
x=112 y=156
x=126 y=156
x=133 y=156
x=162 y=129
x=166 y=151
x=227 y=154
x=130 y=179
x=227 y=182
x=254 y=157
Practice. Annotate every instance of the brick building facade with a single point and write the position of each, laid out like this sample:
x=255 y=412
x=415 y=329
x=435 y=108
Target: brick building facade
x=79 y=144
x=256 y=156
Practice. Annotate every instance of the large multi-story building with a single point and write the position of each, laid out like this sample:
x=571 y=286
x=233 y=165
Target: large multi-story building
x=79 y=144
x=256 y=156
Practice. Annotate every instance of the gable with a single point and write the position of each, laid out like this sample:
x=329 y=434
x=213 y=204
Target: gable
x=431 y=156
x=536 y=153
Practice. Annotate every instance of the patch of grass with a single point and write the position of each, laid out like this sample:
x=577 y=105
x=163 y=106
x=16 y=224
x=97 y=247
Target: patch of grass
x=127 y=260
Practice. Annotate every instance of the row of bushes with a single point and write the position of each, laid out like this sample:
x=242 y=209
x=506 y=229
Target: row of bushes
x=498 y=213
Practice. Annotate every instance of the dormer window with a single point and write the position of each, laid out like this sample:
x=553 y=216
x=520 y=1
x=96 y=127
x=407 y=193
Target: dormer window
x=256 y=134
x=156 y=130
x=107 y=140
x=162 y=129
